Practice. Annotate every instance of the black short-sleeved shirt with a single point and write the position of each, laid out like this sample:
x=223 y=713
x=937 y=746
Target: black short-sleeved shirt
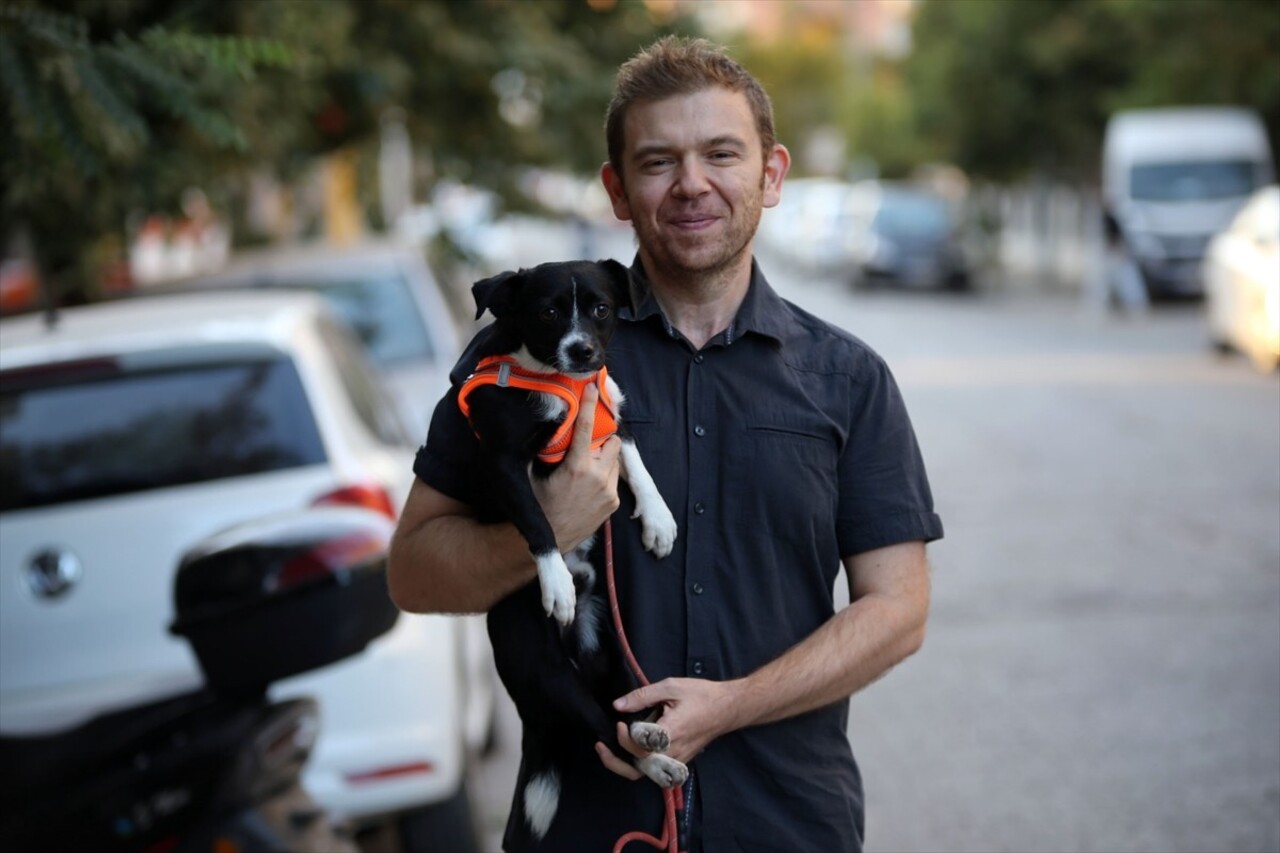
x=781 y=446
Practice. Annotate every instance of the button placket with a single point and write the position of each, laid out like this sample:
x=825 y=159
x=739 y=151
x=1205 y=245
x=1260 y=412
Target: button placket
x=700 y=556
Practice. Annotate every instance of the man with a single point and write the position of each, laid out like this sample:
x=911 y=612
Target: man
x=784 y=450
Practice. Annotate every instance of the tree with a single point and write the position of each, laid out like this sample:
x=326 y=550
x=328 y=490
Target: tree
x=91 y=125
x=118 y=107
x=1007 y=87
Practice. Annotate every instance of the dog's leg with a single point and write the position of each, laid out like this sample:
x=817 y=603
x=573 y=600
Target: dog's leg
x=526 y=513
x=658 y=525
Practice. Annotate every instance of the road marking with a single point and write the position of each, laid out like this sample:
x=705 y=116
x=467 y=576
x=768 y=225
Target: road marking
x=1082 y=369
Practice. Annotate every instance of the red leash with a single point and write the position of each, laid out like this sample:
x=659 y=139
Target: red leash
x=673 y=798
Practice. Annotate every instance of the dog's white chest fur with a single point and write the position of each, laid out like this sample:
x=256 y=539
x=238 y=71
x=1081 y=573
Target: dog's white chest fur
x=549 y=407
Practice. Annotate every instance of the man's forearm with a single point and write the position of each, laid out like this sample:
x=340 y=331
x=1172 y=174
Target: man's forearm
x=854 y=648
x=883 y=625
x=454 y=564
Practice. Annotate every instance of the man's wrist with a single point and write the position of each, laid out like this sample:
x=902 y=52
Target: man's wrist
x=740 y=703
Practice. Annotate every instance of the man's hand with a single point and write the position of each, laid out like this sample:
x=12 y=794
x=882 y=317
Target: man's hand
x=583 y=491
x=694 y=713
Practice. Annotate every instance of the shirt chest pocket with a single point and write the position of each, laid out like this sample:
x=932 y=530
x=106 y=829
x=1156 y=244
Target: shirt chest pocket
x=782 y=480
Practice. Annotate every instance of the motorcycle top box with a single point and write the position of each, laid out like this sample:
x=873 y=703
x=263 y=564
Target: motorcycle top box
x=283 y=595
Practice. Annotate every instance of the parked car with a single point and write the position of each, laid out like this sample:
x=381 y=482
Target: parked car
x=903 y=235
x=1242 y=281
x=384 y=290
x=131 y=430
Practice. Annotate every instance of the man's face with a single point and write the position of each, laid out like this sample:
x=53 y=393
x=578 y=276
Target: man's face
x=694 y=181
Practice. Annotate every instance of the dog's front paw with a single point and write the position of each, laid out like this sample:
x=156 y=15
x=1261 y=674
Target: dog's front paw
x=664 y=770
x=650 y=737
x=558 y=595
x=658 y=527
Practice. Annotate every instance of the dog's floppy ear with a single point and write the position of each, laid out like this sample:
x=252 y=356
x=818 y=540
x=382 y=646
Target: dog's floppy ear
x=494 y=293
x=619 y=277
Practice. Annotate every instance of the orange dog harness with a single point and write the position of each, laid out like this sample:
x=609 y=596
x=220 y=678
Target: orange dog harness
x=505 y=372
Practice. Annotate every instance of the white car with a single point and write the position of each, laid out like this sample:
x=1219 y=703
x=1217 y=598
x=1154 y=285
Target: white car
x=385 y=291
x=132 y=430
x=1242 y=281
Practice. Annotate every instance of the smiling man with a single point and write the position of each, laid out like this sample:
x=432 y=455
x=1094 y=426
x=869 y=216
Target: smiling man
x=784 y=449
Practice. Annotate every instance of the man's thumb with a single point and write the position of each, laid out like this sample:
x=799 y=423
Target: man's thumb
x=634 y=701
x=586 y=423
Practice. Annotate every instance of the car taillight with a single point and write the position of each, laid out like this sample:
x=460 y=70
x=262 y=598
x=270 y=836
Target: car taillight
x=364 y=495
x=393 y=772
x=329 y=558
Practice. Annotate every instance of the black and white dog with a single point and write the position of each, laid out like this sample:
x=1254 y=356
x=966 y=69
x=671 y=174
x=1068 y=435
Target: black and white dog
x=552 y=325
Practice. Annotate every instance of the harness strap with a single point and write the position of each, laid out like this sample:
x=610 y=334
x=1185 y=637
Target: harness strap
x=505 y=372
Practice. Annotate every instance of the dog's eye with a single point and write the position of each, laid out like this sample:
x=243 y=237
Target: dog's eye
x=601 y=311
x=549 y=314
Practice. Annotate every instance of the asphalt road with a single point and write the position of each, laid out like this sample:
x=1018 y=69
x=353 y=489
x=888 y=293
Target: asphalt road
x=1102 y=671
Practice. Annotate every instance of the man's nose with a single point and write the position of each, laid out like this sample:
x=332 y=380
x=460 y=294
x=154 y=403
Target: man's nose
x=691 y=181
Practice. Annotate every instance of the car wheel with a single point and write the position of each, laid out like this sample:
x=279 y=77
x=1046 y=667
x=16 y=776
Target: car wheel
x=444 y=827
x=959 y=282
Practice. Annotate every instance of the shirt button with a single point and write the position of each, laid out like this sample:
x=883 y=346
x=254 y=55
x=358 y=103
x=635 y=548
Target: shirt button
x=697 y=359
x=699 y=509
x=697 y=589
x=699 y=431
x=697 y=667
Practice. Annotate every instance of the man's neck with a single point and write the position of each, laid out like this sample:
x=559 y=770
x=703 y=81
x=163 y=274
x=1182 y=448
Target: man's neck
x=702 y=306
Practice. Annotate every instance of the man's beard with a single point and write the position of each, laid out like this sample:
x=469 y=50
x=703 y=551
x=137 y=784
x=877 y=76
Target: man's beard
x=724 y=254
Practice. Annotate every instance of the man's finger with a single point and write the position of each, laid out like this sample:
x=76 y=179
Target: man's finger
x=580 y=443
x=644 y=697
x=616 y=764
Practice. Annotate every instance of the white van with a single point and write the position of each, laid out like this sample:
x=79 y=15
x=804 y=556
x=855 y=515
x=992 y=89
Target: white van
x=1173 y=177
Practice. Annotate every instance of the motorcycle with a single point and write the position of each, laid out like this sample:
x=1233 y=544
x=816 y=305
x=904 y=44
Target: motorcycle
x=219 y=768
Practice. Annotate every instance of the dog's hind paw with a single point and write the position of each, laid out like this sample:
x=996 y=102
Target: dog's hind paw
x=664 y=770
x=650 y=737
x=558 y=594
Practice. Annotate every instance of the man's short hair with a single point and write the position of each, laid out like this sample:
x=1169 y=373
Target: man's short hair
x=675 y=66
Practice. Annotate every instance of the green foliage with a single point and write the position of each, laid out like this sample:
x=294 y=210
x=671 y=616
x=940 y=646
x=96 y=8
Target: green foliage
x=88 y=126
x=73 y=101
x=1006 y=87
x=116 y=108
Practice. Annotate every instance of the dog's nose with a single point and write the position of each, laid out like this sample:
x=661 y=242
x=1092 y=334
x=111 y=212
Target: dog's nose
x=581 y=352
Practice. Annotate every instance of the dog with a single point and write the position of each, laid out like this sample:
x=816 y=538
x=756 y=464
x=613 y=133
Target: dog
x=553 y=642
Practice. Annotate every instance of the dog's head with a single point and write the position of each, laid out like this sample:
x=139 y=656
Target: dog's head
x=562 y=313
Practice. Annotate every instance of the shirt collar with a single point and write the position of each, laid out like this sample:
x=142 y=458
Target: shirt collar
x=763 y=312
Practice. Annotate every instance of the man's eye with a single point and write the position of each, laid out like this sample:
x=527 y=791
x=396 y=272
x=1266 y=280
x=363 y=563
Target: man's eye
x=601 y=311
x=549 y=314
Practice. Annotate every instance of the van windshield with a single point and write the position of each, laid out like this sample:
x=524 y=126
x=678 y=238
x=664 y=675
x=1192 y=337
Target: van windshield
x=1200 y=180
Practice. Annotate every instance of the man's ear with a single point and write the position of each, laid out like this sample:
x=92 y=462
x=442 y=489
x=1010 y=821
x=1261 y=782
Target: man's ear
x=619 y=276
x=617 y=192
x=495 y=293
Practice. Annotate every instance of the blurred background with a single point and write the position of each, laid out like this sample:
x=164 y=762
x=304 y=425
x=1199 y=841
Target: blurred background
x=1057 y=219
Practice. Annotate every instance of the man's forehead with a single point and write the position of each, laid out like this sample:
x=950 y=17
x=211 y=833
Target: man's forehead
x=698 y=118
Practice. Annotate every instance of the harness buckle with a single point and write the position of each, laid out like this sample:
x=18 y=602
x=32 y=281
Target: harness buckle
x=504 y=375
